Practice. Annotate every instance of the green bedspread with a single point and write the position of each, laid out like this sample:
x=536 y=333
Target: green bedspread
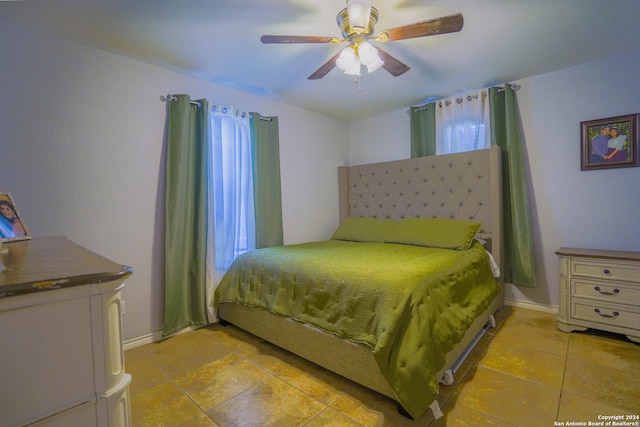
x=410 y=304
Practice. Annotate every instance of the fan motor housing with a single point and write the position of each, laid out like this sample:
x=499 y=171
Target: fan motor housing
x=345 y=26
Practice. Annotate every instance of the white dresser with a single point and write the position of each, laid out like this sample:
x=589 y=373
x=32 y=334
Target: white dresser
x=600 y=289
x=61 y=353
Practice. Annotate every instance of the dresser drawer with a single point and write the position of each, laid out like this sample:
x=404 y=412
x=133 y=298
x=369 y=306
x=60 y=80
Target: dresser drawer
x=606 y=290
x=605 y=270
x=606 y=315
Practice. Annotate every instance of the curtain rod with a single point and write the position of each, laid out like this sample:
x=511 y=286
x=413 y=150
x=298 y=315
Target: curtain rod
x=225 y=110
x=171 y=98
x=514 y=86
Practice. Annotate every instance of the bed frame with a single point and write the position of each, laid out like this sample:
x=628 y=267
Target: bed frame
x=464 y=186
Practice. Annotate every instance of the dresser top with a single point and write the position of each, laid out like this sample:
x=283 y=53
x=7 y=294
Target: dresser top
x=600 y=253
x=46 y=263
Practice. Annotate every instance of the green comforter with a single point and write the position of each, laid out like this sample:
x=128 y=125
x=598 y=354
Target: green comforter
x=410 y=304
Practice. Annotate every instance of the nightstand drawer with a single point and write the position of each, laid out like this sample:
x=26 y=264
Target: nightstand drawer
x=606 y=315
x=605 y=270
x=606 y=290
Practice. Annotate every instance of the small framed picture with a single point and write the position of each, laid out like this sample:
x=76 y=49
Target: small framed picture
x=11 y=225
x=609 y=143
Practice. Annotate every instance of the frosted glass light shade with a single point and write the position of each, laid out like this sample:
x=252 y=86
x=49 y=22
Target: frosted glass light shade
x=359 y=12
x=355 y=69
x=346 y=59
x=369 y=56
x=377 y=63
x=349 y=62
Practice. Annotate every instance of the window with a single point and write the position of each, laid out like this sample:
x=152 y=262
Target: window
x=232 y=183
x=463 y=135
x=462 y=123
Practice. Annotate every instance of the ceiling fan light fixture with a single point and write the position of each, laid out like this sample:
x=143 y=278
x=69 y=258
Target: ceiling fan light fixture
x=346 y=59
x=375 y=65
x=355 y=70
x=369 y=56
x=359 y=12
x=349 y=62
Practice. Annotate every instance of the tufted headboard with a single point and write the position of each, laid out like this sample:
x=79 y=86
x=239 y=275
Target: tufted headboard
x=465 y=186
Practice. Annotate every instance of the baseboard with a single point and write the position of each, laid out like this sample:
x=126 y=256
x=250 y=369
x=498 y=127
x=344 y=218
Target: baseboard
x=552 y=309
x=152 y=337
x=142 y=340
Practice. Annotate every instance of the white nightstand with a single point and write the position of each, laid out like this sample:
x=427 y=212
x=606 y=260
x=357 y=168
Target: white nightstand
x=600 y=289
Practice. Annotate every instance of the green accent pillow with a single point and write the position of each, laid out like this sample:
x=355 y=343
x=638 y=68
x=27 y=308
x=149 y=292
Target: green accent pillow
x=365 y=229
x=442 y=233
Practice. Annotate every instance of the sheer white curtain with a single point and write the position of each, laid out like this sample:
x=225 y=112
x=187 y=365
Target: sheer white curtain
x=231 y=222
x=462 y=123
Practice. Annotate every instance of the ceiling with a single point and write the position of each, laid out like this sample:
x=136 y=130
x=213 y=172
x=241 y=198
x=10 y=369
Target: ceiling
x=219 y=41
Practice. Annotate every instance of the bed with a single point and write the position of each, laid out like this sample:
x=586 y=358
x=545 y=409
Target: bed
x=394 y=212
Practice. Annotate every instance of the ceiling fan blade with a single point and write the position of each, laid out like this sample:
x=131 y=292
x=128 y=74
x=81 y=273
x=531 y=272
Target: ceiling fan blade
x=391 y=64
x=267 y=39
x=325 y=68
x=442 y=25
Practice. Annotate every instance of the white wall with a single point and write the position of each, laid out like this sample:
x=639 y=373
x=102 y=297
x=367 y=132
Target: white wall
x=82 y=147
x=380 y=138
x=591 y=209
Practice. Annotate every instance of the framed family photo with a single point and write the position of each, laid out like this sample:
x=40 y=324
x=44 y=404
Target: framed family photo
x=609 y=143
x=11 y=225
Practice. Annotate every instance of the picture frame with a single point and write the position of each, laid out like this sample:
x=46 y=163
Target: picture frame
x=12 y=228
x=600 y=150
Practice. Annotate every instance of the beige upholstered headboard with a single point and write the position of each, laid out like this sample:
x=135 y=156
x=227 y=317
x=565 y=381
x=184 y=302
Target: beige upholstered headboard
x=465 y=186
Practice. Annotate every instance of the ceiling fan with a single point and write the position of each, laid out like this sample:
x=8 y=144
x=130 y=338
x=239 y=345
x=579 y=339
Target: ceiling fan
x=357 y=22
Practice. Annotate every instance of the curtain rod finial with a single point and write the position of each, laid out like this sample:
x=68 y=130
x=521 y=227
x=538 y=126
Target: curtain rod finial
x=168 y=98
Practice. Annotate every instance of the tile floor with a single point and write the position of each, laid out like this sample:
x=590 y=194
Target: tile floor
x=524 y=372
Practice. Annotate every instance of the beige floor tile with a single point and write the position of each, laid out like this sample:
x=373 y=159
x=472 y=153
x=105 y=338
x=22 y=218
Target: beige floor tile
x=272 y=358
x=317 y=382
x=509 y=398
x=528 y=333
x=271 y=403
x=200 y=421
x=145 y=373
x=163 y=405
x=331 y=418
x=372 y=409
x=459 y=415
x=606 y=351
x=230 y=336
x=185 y=352
x=576 y=408
x=215 y=382
x=612 y=387
x=525 y=363
x=523 y=317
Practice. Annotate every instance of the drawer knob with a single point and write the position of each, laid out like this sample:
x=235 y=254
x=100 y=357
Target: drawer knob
x=606 y=271
x=615 y=313
x=615 y=291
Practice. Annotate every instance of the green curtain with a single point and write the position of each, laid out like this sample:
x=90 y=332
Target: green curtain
x=265 y=152
x=519 y=267
x=423 y=130
x=187 y=136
